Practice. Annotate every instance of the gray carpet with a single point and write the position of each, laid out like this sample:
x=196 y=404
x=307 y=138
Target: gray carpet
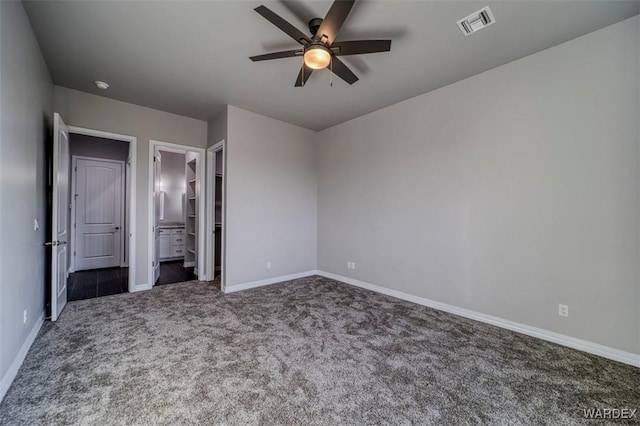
x=309 y=351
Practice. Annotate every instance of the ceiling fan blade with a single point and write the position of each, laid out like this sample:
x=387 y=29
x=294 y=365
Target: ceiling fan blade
x=303 y=75
x=276 y=55
x=285 y=26
x=332 y=23
x=341 y=70
x=360 y=47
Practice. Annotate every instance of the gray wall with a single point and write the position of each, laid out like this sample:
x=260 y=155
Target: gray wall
x=91 y=146
x=174 y=181
x=26 y=97
x=506 y=193
x=271 y=198
x=217 y=127
x=99 y=113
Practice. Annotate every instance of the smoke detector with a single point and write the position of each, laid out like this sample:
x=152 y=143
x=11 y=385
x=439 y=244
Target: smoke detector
x=101 y=85
x=476 y=21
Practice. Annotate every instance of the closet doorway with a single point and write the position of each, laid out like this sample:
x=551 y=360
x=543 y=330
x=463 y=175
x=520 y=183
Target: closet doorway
x=216 y=174
x=176 y=213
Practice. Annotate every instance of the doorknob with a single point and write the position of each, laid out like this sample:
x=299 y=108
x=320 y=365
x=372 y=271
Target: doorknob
x=55 y=243
x=117 y=228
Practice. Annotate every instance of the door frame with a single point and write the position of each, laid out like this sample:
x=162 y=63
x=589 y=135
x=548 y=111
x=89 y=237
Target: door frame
x=178 y=148
x=73 y=205
x=132 y=164
x=211 y=170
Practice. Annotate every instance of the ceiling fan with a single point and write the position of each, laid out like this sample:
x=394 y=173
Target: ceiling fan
x=321 y=50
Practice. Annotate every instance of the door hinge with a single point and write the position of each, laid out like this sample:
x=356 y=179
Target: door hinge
x=75 y=169
x=74 y=226
x=74 y=252
x=153 y=263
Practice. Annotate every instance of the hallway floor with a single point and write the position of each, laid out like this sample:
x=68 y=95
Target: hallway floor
x=96 y=283
x=83 y=285
x=173 y=272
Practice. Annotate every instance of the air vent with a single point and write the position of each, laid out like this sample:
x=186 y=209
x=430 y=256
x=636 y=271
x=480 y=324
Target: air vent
x=476 y=21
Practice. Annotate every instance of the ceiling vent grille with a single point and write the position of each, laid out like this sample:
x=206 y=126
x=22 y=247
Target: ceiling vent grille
x=476 y=21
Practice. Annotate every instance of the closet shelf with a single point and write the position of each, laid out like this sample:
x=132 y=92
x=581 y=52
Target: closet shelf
x=219 y=175
x=192 y=181
x=192 y=251
x=192 y=198
x=193 y=234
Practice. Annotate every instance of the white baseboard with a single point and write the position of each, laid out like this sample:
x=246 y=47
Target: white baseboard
x=274 y=280
x=561 y=339
x=141 y=287
x=20 y=356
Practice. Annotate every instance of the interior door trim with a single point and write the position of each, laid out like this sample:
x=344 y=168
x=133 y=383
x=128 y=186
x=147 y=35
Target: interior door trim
x=131 y=222
x=178 y=148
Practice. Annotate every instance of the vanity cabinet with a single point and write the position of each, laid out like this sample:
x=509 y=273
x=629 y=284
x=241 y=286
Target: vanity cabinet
x=172 y=243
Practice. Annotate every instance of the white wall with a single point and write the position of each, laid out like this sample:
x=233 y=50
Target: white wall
x=26 y=97
x=109 y=115
x=271 y=198
x=506 y=193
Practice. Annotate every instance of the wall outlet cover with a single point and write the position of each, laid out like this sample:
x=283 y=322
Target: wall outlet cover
x=563 y=310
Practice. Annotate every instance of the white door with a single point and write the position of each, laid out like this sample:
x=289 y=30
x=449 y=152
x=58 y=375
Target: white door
x=59 y=225
x=99 y=198
x=156 y=215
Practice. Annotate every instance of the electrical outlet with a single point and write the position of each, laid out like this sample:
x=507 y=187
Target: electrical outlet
x=351 y=265
x=36 y=224
x=563 y=310
x=268 y=265
x=24 y=317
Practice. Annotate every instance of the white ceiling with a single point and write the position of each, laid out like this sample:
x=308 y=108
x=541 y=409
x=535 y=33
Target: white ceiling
x=191 y=58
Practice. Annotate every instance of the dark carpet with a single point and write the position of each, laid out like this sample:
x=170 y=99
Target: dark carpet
x=309 y=351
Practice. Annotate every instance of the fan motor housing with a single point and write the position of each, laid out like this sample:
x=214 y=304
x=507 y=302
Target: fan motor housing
x=314 y=24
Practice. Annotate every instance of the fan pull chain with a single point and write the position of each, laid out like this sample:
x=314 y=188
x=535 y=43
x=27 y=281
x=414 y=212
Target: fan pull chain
x=331 y=69
x=302 y=73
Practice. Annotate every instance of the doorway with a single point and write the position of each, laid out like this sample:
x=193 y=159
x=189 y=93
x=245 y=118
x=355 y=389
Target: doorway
x=100 y=189
x=216 y=212
x=176 y=212
x=62 y=204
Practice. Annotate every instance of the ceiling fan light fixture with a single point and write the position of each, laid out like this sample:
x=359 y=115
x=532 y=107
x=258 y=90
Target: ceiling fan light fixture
x=317 y=57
